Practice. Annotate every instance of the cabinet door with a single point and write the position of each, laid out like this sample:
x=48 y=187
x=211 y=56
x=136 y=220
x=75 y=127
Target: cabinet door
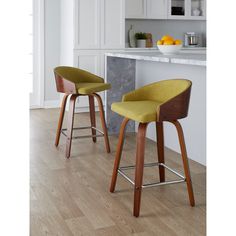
x=88 y=60
x=135 y=8
x=112 y=24
x=87 y=24
x=178 y=9
x=197 y=9
x=157 y=9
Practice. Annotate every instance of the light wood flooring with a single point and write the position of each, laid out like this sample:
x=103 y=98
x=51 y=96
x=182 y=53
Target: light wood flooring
x=71 y=197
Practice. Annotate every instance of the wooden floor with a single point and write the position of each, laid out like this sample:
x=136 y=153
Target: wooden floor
x=71 y=197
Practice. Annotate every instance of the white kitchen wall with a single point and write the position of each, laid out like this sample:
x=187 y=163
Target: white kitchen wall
x=175 y=28
x=52 y=49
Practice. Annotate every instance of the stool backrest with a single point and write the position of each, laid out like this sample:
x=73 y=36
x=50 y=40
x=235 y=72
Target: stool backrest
x=164 y=90
x=66 y=77
x=77 y=75
x=174 y=96
x=167 y=89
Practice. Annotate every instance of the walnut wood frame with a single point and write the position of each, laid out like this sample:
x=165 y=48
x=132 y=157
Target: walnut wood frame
x=64 y=85
x=175 y=108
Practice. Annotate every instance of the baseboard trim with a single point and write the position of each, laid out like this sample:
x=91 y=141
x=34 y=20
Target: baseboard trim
x=51 y=104
x=35 y=107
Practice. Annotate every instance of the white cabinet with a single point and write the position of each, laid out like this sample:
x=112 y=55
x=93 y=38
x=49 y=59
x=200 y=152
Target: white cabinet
x=187 y=9
x=177 y=9
x=112 y=24
x=135 y=9
x=87 y=24
x=197 y=6
x=88 y=60
x=146 y=9
x=99 y=24
x=157 y=9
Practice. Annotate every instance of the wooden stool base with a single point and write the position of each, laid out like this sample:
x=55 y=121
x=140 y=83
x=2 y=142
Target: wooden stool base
x=70 y=122
x=139 y=167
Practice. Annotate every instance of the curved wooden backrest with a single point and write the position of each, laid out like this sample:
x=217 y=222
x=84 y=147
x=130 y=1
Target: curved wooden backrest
x=176 y=107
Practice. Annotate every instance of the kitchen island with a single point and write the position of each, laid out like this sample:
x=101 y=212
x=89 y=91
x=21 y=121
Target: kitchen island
x=128 y=70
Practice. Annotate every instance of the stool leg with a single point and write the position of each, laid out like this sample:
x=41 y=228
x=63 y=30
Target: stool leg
x=185 y=162
x=70 y=123
x=118 y=154
x=102 y=116
x=139 y=167
x=160 y=149
x=92 y=116
x=61 y=118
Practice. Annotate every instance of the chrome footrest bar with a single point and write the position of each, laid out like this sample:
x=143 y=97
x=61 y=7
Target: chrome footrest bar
x=125 y=176
x=99 y=131
x=84 y=136
x=163 y=183
x=88 y=136
x=182 y=178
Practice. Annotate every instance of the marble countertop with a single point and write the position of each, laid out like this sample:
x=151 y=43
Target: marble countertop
x=185 y=56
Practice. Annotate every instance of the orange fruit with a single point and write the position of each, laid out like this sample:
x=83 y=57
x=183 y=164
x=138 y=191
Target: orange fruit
x=160 y=42
x=178 y=42
x=167 y=37
x=168 y=42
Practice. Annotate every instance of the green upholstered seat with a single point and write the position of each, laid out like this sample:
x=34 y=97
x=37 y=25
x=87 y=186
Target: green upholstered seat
x=85 y=82
x=141 y=105
x=88 y=88
x=141 y=111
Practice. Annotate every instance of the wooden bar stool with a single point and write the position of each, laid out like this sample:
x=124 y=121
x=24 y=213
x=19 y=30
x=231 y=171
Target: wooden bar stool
x=76 y=82
x=166 y=100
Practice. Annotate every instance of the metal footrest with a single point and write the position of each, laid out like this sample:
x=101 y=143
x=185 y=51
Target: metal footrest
x=84 y=136
x=182 y=178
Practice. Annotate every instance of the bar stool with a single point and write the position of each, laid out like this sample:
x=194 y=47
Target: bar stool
x=167 y=100
x=76 y=82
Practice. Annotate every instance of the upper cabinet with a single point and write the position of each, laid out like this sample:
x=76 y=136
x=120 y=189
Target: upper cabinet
x=187 y=9
x=157 y=9
x=135 y=9
x=146 y=9
x=87 y=24
x=112 y=24
x=165 y=9
x=198 y=9
x=99 y=24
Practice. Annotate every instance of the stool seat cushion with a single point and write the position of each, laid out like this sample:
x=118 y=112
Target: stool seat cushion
x=140 y=111
x=88 y=88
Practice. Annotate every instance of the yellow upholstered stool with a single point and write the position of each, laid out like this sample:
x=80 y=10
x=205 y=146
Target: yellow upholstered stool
x=166 y=100
x=76 y=82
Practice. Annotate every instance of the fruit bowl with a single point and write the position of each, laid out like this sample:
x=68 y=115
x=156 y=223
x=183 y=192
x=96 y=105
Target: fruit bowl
x=169 y=49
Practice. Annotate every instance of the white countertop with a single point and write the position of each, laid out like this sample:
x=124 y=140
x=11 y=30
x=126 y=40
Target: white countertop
x=196 y=56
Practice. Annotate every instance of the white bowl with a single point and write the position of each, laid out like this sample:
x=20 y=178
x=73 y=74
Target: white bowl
x=169 y=49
